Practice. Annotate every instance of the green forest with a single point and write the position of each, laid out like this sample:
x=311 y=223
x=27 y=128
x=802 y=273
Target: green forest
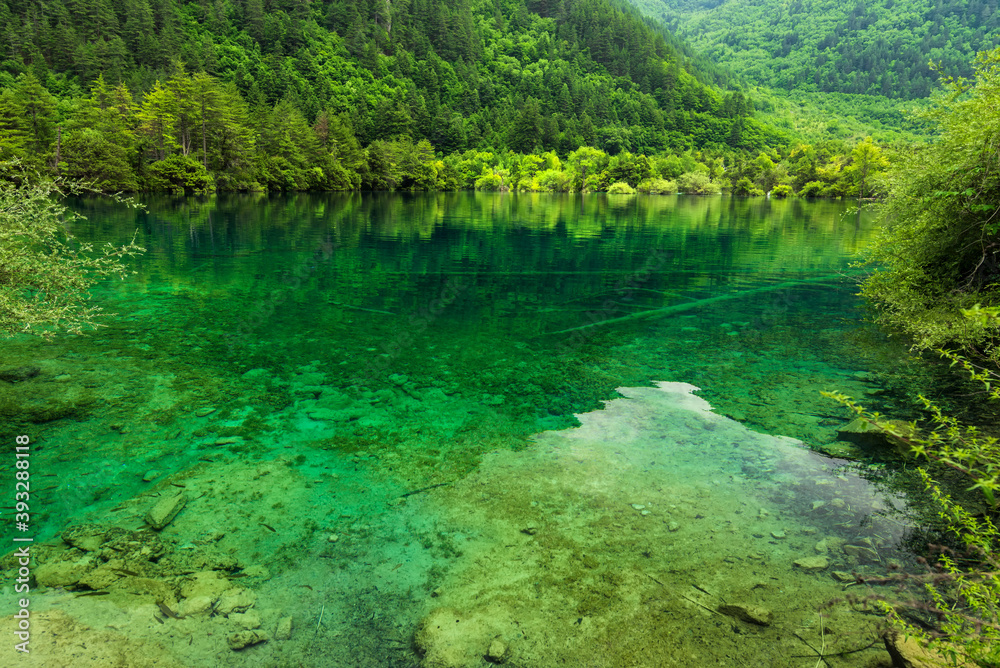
x=295 y=95
x=874 y=48
x=299 y=95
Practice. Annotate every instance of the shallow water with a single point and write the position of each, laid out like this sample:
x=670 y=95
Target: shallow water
x=370 y=404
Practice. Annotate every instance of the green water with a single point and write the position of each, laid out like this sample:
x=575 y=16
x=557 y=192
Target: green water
x=297 y=365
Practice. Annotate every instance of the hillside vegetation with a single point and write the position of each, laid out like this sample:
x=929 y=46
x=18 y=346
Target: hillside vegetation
x=874 y=48
x=285 y=94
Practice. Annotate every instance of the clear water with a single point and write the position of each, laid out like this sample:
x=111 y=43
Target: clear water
x=387 y=411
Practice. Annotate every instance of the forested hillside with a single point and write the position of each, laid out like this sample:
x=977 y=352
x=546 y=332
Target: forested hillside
x=285 y=94
x=876 y=48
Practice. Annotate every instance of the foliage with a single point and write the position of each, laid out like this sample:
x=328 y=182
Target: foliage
x=620 y=188
x=697 y=183
x=874 y=48
x=44 y=274
x=263 y=93
x=657 y=186
x=180 y=174
x=962 y=591
x=782 y=191
x=962 y=448
x=937 y=255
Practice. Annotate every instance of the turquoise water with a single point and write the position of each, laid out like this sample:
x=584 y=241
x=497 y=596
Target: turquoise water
x=342 y=387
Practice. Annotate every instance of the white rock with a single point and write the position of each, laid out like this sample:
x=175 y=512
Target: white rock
x=245 y=639
x=497 y=652
x=198 y=605
x=284 y=630
x=249 y=620
x=165 y=510
x=236 y=600
x=812 y=563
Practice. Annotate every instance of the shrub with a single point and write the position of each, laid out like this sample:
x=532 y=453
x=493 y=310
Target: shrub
x=179 y=173
x=813 y=189
x=782 y=191
x=937 y=253
x=748 y=188
x=657 y=186
x=45 y=276
x=698 y=183
x=620 y=188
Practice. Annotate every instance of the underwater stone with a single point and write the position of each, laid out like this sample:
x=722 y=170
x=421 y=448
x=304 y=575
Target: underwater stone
x=197 y=605
x=249 y=620
x=778 y=534
x=19 y=374
x=236 y=600
x=753 y=614
x=60 y=574
x=257 y=571
x=497 y=653
x=673 y=526
x=311 y=378
x=906 y=652
x=812 y=563
x=203 y=412
x=210 y=584
x=284 y=630
x=843 y=576
x=165 y=511
x=243 y=639
x=861 y=552
x=86 y=537
x=150 y=475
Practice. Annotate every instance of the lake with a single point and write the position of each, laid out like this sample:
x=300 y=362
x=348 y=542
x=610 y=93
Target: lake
x=427 y=429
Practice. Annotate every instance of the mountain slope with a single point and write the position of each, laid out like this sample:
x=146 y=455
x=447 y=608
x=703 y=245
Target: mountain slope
x=875 y=48
x=535 y=75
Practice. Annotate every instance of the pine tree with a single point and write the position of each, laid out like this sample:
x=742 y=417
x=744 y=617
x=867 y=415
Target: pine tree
x=39 y=108
x=157 y=118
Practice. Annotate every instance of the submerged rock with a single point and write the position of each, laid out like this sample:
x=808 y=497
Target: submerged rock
x=861 y=552
x=812 y=563
x=753 y=614
x=245 y=639
x=284 y=630
x=165 y=511
x=19 y=374
x=237 y=599
x=906 y=652
x=497 y=653
x=862 y=432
